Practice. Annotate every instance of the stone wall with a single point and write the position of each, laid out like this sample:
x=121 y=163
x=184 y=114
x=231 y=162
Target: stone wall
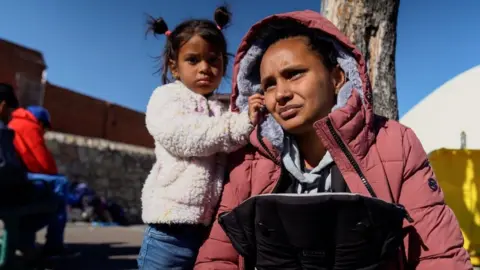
x=114 y=170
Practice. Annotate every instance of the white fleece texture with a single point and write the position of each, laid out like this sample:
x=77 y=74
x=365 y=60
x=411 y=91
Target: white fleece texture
x=191 y=135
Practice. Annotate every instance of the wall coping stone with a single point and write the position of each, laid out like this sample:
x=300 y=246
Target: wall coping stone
x=97 y=143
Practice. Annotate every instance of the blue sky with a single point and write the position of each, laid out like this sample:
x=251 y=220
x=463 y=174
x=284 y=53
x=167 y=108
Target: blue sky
x=99 y=48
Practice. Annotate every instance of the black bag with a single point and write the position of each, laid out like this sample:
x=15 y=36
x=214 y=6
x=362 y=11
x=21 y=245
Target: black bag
x=319 y=231
x=14 y=185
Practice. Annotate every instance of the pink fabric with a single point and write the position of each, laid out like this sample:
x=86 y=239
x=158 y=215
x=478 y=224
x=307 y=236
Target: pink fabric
x=389 y=154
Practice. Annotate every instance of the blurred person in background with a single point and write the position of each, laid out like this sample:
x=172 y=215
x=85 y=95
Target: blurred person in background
x=30 y=125
x=12 y=172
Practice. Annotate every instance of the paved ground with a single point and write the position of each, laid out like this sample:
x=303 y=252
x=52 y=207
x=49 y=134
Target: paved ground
x=100 y=248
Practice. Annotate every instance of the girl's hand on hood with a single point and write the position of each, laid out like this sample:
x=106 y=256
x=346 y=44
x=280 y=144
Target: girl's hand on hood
x=256 y=106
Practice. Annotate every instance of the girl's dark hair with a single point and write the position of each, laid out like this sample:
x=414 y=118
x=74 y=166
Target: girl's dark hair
x=288 y=28
x=210 y=31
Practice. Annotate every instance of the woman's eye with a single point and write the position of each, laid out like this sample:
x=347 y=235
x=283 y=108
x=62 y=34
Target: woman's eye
x=295 y=74
x=268 y=83
x=268 y=87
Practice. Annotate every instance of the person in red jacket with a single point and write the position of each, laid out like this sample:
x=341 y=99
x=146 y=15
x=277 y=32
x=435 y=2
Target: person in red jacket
x=30 y=125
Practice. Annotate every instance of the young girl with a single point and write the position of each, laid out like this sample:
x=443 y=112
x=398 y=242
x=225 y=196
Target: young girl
x=191 y=131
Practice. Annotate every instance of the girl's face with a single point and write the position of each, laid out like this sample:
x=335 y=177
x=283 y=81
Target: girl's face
x=199 y=66
x=299 y=89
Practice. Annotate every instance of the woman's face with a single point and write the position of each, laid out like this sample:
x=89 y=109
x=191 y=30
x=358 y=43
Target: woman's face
x=299 y=89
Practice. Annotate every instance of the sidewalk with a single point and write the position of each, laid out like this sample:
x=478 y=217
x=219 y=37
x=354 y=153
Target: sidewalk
x=100 y=248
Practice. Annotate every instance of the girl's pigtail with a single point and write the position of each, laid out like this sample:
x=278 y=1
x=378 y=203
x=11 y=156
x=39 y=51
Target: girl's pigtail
x=157 y=26
x=222 y=17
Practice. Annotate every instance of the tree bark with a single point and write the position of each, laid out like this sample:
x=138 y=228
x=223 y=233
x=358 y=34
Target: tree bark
x=371 y=25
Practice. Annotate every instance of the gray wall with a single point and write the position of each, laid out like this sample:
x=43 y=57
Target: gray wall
x=114 y=170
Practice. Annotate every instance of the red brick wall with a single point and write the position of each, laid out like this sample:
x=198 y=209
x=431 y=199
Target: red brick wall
x=75 y=113
x=128 y=126
x=7 y=69
x=82 y=115
x=18 y=59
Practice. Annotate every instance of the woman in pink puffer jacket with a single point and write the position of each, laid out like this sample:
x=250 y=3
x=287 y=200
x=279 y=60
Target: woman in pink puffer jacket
x=316 y=89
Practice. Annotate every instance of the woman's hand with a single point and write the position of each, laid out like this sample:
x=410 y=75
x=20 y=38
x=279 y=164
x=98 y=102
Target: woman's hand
x=255 y=107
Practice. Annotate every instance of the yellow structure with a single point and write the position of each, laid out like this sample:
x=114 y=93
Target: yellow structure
x=458 y=173
x=429 y=116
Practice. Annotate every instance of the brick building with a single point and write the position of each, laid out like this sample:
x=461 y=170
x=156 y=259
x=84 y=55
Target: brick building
x=24 y=69
x=71 y=112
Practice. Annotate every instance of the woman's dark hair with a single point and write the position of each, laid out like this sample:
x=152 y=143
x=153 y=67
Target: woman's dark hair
x=210 y=31
x=289 y=28
x=7 y=94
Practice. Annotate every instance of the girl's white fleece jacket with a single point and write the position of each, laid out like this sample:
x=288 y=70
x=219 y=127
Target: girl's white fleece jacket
x=186 y=181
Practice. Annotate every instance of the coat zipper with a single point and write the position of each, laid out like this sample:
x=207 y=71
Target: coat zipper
x=270 y=155
x=357 y=169
x=345 y=151
x=282 y=171
x=342 y=146
x=350 y=158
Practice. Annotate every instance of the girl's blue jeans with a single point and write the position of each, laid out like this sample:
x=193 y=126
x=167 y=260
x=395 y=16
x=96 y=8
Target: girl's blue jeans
x=172 y=247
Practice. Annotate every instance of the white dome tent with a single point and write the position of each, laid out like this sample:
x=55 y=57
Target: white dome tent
x=453 y=108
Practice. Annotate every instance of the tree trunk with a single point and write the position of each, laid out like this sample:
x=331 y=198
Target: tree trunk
x=371 y=25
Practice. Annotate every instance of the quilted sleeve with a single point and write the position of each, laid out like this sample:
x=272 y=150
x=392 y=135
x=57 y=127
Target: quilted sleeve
x=435 y=240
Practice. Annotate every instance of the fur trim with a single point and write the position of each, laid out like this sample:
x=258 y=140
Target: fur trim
x=186 y=181
x=248 y=82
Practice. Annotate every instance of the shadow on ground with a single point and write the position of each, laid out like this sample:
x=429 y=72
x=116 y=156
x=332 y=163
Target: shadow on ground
x=98 y=256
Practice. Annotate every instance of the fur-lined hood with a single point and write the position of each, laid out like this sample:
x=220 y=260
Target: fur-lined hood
x=246 y=79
